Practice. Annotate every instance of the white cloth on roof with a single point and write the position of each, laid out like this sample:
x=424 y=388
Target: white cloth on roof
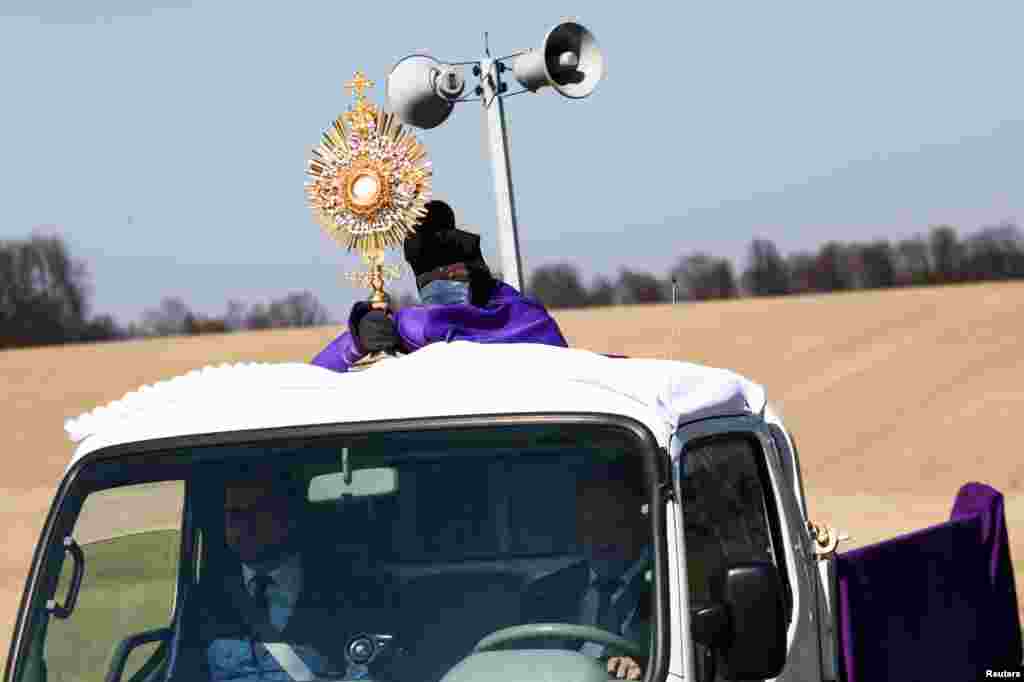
x=493 y=379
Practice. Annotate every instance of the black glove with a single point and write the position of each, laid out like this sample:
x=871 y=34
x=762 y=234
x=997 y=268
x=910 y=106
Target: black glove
x=377 y=332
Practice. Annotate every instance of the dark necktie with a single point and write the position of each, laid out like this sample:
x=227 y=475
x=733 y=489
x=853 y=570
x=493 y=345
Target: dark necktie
x=261 y=604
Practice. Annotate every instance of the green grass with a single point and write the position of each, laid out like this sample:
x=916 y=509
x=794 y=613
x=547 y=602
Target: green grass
x=128 y=588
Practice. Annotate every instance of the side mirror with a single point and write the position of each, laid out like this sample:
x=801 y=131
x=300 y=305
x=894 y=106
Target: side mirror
x=753 y=594
x=746 y=629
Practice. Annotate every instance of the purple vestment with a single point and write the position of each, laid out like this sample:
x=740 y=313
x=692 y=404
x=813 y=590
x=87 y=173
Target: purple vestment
x=508 y=317
x=937 y=604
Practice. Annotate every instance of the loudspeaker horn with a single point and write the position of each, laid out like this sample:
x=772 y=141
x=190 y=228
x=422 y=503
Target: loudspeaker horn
x=569 y=60
x=422 y=91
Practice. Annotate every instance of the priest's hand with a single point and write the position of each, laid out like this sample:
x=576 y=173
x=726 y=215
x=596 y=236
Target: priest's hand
x=624 y=668
x=377 y=332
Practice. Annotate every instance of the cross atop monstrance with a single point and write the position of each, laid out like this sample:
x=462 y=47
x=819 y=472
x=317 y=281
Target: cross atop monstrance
x=369 y=185
x=362 y=116
x=358 y=83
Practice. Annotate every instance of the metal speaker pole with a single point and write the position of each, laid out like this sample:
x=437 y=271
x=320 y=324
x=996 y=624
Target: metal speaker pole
x=497 y=149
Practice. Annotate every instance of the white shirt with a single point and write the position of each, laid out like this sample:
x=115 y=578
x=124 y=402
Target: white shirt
x=284 y=593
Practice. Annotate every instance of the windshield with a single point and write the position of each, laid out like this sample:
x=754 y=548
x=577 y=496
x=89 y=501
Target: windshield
x=387 y=556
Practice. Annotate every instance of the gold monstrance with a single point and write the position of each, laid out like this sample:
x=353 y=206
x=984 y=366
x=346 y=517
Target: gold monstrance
x=369 y=185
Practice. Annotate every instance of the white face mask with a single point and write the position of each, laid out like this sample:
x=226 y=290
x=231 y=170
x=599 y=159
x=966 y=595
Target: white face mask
x=445 y=292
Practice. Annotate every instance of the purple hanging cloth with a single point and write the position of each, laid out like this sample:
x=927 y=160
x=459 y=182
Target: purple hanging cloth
x=936 y=604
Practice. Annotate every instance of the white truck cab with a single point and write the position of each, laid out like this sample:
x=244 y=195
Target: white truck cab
x=447 y=477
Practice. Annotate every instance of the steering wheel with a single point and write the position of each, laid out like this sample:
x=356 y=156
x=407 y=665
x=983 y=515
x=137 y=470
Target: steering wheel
x=587 y=633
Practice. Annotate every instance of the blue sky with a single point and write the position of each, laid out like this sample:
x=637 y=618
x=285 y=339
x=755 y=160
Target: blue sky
x=167 y=140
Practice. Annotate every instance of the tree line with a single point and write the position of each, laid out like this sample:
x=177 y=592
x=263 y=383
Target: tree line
x=45 y=292
x=991 y=254
x=45 y=297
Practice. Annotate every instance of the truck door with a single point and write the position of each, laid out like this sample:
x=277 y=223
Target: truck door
x=737 y=507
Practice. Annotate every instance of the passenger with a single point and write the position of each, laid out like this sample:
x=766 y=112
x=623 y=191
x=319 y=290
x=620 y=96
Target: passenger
x=279 y=614
x=611 y=588
x=462 y=301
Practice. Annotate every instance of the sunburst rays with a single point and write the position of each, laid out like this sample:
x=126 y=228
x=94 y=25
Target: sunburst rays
x=369 y=178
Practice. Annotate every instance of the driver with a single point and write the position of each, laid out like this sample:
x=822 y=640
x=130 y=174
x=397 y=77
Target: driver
x=611 y=589
x=280 y=614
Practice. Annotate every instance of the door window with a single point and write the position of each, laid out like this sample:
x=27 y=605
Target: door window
x=727 y=518
x=725 y=510
x=130 y=537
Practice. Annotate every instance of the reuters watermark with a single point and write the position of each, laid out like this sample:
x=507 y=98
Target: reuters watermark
x=1003 y=675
